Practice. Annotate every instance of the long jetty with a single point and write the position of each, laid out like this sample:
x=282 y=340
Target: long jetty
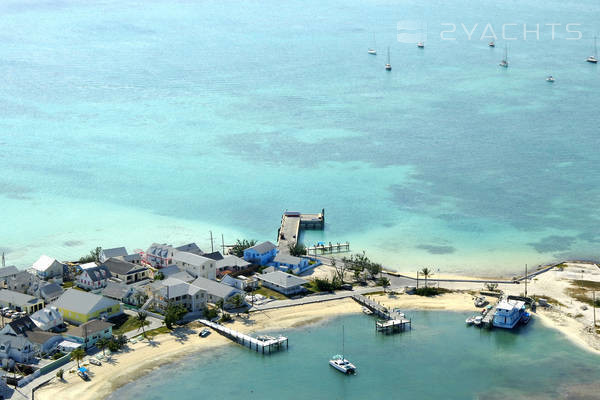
x=292 y=223
x=266 y=346
x=391 y=320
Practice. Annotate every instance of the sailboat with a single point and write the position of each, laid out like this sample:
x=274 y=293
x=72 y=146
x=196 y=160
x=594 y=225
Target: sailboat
x=550 y=79
x=504 y=62
x=340 y=363
x=594 y=58
x=388 y=66
x=492 y=44
x=373 y=50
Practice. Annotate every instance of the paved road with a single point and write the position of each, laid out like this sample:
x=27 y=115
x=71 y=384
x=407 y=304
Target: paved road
x=315 y=298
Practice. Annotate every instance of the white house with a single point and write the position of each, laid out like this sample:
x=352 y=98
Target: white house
x=93 y=278
x=90 y=332
x=159 y=255
x=47 y=267
x=6 y=273
x=282 y=282
x=105 y=254
x=47 y=318
x=216 y=291
x=196 y=265
x=18 y=348
x=241 y=282
x=175 y=291
x=126 y=272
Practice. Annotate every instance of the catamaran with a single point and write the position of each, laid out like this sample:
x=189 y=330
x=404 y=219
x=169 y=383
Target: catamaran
x=340 y=363
x=593 y=58
x=372 y=50
x=388 y=66
x=504 y=62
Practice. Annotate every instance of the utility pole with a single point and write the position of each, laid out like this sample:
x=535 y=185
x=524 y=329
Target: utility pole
x=3 y=261
x=417 y=279
x=212 y=248
x=594 y=303
x=525 y=280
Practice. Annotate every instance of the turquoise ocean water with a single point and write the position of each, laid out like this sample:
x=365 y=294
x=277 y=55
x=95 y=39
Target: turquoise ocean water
x=127 y=122
x=439 y=359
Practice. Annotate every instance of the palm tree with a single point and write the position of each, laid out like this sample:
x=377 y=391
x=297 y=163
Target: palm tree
x=102 y=344
x=78 y=355
x=141 y=321
x=426 y=272
x=385 y=282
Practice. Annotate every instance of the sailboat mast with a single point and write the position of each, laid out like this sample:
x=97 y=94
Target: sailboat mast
x=388 y=55
x=342 y=342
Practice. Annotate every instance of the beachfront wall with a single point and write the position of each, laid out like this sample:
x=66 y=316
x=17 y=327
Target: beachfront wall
x=79 y=318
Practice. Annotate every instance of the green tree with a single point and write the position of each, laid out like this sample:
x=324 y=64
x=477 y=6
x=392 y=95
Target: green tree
x=60 y=374
x=140 y=320
x=94 y=256
x=220 y=304
x=121 y=340
x=159 y=276
x=357 y=275
x=113 y=345
x=236 y=301
x=102 y=344
x=78 y=355
x=373 y=269
x=241 y=245
x=174 y=313
x=426 y=272
x=297 y=249
x=383 y=281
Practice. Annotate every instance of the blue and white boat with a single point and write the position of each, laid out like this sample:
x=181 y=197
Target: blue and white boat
x=508 y=313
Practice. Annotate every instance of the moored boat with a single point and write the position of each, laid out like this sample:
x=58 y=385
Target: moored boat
x=341 y=364
x=469 y=321
x=366 y=310
x=478 y=320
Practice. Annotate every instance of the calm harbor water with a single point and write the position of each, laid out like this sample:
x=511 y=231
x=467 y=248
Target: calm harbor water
x=439 y=359
x=124 y=122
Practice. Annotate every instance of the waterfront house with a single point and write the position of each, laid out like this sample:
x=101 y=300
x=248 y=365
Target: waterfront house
x=105 y=254
x=126 y=272
x=231 y=263
x=18 y=326
x=286 y=262
x=6 y=273
x=159 y=255
x=173 y=271
x=283 y=283
x=508 y=313
x=41 y=341
x=22 y=281
x=260 y=254
x=175 y=291
x=90 y=332
x=93 y=278
x=241 y=282
x=190 y=248
x=47 y=318
x=20 y=301
x=135 y=258
x=18 y=348
x=216 y=291
x=47 y=267
x=195 y=265
x=78 y=307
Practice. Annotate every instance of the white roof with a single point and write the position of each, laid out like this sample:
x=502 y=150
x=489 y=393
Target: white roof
x=190 y=258
x=510 y=304
x=282 y=279
x=43 y=263
x=67 y=344
x=88 y=265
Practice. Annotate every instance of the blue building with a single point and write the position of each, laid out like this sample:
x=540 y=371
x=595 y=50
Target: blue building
x=508 y=313
x=261 y=254
x=286 y=262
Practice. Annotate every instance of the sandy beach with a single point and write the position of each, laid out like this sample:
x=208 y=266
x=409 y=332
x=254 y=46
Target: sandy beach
x=145 y=356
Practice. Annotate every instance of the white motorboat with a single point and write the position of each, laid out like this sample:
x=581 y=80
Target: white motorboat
x=492 y=44
x=550 y=79
x=366 y=310
x=478 y=320
x=372 y=51
x=341 y=364
x=421 y=45
x=593 y=58
x=470 y=320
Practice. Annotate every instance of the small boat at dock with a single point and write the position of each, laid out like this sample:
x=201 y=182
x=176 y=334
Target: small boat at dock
x=526 y=318
x=478 y=320
x=366 y=311
x=469 y=321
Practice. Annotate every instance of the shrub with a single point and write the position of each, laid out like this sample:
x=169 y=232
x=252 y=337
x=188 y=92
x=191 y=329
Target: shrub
x=226 y=317
x=60 y=373
x=57 y=355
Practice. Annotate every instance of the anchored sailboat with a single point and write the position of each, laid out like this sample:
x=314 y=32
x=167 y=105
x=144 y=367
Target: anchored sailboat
x=372 y=50
x=593 y=58
x=388 y=66
x=504 y=62
x=340 y=363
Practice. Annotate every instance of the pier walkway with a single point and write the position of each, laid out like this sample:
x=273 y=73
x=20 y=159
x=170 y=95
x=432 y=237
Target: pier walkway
x=391 y=320
x=292 y=223
x=266 y=344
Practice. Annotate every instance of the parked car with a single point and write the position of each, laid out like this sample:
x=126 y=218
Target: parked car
x=94 y=361
x=83 y=375
x=205 y=332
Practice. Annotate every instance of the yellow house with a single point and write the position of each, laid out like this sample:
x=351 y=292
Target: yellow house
x=78 y=307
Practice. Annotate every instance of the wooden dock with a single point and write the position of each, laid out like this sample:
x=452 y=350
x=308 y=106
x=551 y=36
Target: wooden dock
x=328 y=248
x=488 y=317
x=391 y=321
x=292 y=223
x=266 y=344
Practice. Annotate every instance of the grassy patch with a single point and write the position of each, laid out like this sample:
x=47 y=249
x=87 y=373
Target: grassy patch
x=158 y=331
x=68 y=284
x=123 y=325
x=582 y=295
x=270 y=293
x=549 y=300
x=431 y=291
x=586 y=284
